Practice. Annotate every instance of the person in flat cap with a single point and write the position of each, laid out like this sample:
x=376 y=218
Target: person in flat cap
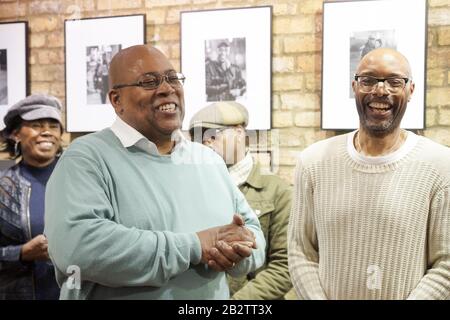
x=32 y=133
x=222 y=127
x=211 y=124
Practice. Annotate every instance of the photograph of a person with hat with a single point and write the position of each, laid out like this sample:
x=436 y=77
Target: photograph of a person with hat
x=32 y=133
x=222 y=127
x=225 y=69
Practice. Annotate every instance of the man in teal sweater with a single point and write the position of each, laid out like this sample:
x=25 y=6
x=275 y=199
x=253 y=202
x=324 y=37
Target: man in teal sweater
x=136 y=211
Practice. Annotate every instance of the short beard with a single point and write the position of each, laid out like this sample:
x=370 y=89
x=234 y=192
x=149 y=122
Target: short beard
x=382 y=129
x=379 y=131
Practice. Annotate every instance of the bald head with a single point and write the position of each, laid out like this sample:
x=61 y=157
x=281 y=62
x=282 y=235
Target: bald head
x=381 y=107
x=385 y=56
x=129 y=63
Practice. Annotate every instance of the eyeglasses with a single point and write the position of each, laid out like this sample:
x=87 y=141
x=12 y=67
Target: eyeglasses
x=393 y=85
x=152 y=80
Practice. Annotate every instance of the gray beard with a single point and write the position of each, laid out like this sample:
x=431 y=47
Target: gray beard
x=379 y=130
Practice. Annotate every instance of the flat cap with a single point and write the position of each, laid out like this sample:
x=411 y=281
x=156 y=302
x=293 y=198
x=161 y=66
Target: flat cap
x=219 y=115
x=33 y=107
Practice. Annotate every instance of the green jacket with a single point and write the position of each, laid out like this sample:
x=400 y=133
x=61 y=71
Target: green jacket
x=270 y=198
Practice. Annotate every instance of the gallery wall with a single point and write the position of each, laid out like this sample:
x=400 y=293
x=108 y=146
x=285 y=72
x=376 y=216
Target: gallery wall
x=296 y=66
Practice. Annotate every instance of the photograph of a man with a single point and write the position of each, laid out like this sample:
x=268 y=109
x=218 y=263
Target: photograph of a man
x=369 y=45
x=225 y=69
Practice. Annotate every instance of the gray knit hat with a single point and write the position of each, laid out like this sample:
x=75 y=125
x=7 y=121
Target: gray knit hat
x=36 y=106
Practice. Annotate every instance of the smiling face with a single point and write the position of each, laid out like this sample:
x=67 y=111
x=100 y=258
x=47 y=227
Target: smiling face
x=381 y=112
x=155 y=113
x=39 y=140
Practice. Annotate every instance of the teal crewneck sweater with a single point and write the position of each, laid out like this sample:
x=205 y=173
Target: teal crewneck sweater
x=127 y=220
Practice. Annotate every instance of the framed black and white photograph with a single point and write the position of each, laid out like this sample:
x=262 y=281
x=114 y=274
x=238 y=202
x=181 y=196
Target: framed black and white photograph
x=90 y=46
x=225 y=61
x=372 y=24
x=97 y=65
x=13 y=65
x=362 y=42
x=224 y=64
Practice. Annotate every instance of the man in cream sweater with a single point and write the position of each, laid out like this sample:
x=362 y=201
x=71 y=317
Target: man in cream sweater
x=371 y=209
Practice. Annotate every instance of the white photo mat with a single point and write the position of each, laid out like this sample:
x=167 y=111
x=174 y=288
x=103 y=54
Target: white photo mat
x=405 y=20
x=123 y=32
x=252 y=24
x=13 y=78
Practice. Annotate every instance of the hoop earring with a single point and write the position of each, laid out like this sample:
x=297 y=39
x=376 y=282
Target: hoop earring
x=17 y=149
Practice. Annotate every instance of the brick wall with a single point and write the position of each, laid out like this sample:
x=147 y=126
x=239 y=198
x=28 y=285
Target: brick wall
x=297 y=46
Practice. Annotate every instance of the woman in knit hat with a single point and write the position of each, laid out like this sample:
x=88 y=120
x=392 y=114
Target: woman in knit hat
x=32 y=134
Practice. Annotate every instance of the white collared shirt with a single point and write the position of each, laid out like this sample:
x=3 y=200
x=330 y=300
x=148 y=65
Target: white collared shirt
x=129 y=136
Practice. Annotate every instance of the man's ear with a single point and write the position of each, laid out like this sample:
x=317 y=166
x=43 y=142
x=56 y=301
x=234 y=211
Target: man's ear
x=412 y=86
x=114 y=98
x=354 y=86
x=15 y=135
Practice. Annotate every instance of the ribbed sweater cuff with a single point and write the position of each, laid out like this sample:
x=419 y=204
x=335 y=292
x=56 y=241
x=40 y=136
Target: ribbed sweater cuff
x=195 y=247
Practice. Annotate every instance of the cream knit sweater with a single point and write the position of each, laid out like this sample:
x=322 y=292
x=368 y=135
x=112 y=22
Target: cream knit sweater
x=371 y=227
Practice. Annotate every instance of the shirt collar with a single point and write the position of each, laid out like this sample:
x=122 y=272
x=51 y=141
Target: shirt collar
x=405 y=148
x=255 y=177
x=129 y=136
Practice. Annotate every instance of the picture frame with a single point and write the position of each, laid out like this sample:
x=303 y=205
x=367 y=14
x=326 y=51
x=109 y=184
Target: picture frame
x=13 y=65
x=351 y=29
x=225 y=61
x=90 y=45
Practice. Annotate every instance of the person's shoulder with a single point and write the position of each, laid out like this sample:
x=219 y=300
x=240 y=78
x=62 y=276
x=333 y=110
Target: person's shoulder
x=90 y=139
x=212 y=63
x=198 y=147
x=277 y=185
x=434 y=154
x=92 y=143
x=9 y=172
x=272 y=179
x=323 y=150
x=203 y=154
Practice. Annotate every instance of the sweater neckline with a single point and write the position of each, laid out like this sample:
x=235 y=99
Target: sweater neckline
x=382 y=163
